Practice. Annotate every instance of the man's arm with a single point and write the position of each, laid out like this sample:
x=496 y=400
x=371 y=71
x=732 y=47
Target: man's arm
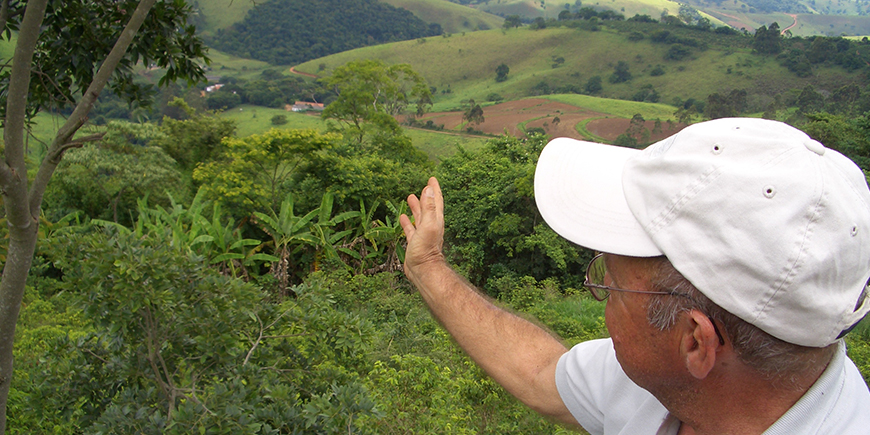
x=516 y=353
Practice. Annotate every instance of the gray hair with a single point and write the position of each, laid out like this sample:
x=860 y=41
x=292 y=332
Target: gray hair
x=776 y=360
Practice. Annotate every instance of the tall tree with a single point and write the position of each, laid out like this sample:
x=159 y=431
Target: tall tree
x=620 y=73
x=512 y=21
x=768 y=40
x=473 y=113
x=501 y=72
x=65 y=55
x=370 y=92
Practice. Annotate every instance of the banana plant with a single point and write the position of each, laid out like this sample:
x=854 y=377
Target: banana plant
x=289 y=233
x=324 y=229
x=375 y=244
x=225 y=246
x=189 y=230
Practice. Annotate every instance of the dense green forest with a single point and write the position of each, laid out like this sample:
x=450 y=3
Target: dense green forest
x=188 y=279
x=286 y=32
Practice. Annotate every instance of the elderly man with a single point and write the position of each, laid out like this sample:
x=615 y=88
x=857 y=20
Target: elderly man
x=735 y=256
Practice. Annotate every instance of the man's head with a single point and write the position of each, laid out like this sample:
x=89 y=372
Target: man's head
x=763 y=220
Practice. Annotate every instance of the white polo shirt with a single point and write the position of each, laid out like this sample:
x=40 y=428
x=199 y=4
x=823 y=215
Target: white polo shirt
x=605 y=401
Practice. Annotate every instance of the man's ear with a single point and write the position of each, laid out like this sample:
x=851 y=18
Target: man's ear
x=699 y=343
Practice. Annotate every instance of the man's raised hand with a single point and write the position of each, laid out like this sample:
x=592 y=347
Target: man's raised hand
x=426 y=234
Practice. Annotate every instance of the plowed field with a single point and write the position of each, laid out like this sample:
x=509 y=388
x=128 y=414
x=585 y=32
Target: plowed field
x=557 y=119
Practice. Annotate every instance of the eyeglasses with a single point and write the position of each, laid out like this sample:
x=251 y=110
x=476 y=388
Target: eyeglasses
x=595 y=273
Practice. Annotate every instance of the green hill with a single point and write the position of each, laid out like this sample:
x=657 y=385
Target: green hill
x=452 y=17
x=460 y=67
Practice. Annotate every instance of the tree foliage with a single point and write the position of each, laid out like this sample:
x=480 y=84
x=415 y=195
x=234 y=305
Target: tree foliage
x=255 y=172
x=501 y=72
x=78 y=34
x=620 y=73
x=724 y=106
x=473 y=113
x=848 y=135
x=197 y=139
x=512 y=21
x=493 y=227
x=104 y=180
x=768 y=40
x=177 y=348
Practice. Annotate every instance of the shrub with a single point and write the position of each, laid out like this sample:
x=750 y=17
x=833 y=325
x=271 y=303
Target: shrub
x=279 y=119
x=493 y=97
x=678 y=52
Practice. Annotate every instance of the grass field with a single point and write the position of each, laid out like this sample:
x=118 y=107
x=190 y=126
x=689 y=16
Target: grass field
x=826 y=17
x=220 y=14
x=438 y=145
x=256 y=120
x=223 y=64
x=452 y=17
x=619 y=108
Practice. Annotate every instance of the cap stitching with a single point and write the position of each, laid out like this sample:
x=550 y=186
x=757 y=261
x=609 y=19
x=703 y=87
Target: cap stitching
x=795 y=266
x=688 y=193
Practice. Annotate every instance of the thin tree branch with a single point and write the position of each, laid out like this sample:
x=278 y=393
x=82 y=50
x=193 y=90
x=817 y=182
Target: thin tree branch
x=261 y=336
x=57 y=154
x=48 y=80
x=80 y=114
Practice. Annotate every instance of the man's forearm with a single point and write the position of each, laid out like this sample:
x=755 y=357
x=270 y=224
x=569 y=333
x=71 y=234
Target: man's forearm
x=516 y=353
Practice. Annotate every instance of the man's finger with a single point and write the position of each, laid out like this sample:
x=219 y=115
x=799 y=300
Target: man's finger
x=438 y=199
x=407 y=226
x=414 y=206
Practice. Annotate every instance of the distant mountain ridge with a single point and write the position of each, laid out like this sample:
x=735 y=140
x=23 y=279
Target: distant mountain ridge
x=287 y=32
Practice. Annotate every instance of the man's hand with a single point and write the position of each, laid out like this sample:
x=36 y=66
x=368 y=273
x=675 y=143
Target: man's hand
x=426 y=234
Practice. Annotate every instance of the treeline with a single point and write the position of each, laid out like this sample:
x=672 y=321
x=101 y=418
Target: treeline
x=270 y=89
x=287 y=32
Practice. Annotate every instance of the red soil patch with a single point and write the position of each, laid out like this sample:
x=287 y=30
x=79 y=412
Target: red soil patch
x=538 y=112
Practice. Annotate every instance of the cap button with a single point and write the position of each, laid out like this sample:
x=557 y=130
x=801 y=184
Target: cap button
x=815 y=146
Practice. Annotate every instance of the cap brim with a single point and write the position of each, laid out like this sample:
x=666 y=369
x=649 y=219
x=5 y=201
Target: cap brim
x=578 y=190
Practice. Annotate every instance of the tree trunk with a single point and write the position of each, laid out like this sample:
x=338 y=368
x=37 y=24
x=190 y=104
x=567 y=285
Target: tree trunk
x=13 y=176
x=23 y=202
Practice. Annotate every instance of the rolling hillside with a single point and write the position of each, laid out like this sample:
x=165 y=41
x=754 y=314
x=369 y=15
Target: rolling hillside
x=464 y=66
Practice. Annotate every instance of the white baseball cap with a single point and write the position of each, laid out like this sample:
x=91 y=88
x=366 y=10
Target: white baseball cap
x=763 y=220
